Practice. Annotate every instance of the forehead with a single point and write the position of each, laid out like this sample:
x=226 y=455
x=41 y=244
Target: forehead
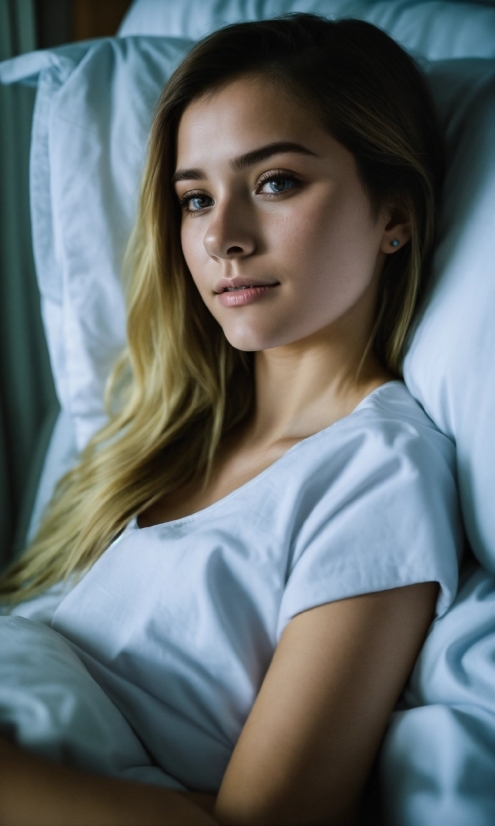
x=246 y=113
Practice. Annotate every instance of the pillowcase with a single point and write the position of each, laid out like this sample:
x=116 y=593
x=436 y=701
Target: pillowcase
x=92 y=116
x=436 y=29
x=449 y=364
x=93 y=112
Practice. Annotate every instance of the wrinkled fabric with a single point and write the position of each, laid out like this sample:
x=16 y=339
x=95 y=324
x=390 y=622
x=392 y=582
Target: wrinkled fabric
x=51 y=705
x=437 y=763
x=178 y=622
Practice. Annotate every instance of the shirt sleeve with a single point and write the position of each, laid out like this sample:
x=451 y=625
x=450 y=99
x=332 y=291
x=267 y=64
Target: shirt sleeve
x=388 y=517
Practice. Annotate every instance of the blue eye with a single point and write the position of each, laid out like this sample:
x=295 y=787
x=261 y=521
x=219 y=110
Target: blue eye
x=279 y=184
x=196 y=200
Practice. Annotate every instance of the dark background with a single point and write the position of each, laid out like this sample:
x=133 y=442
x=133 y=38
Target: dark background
x=62 y=21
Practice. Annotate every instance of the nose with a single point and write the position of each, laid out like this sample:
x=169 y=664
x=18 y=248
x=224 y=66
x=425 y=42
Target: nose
x=230 y=233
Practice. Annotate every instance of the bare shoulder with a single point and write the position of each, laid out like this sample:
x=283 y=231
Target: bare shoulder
x=309 y=742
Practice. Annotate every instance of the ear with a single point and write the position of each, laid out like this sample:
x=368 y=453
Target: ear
x=397 y=229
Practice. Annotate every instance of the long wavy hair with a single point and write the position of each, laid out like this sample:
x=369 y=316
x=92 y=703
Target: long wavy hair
x=179 y=386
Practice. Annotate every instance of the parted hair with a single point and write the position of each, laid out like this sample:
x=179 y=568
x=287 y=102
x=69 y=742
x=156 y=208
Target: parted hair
x=179 y=387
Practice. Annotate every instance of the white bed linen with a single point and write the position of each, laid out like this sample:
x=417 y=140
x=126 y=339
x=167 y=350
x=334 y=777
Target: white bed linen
x=437 y=765
x=51 y=705
x=178 y=622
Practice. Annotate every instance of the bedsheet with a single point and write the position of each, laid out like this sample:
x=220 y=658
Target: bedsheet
x=50 y=705
x=437 y=762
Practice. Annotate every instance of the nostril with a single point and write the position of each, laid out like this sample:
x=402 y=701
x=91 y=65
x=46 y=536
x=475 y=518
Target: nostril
x=234 y=250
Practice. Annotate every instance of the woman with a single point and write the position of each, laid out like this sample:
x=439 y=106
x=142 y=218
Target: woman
x=249 y=554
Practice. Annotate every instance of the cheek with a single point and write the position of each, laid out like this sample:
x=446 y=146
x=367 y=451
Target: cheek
x=327 y=251
x=313 y=237
x=186 y=243
x=329 y=237
x=192 y=247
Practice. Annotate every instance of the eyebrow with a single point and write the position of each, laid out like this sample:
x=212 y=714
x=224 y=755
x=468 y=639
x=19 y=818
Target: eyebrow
x=250 y=158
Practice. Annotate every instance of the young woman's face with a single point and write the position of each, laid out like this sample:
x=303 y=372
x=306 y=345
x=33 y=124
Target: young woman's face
x=269 y=196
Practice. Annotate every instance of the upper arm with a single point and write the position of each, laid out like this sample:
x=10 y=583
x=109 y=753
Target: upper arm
x=309 y=742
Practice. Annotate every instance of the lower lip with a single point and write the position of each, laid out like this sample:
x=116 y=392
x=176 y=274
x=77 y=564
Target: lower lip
x=237 y=298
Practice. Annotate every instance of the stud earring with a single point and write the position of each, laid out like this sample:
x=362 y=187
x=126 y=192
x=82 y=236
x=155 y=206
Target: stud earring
x=395 y=242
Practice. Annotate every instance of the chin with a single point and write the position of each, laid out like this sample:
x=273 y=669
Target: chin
x=245 y=347
x=247 y=343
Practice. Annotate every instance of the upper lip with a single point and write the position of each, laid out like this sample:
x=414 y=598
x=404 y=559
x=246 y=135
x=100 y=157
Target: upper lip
x=241 y=282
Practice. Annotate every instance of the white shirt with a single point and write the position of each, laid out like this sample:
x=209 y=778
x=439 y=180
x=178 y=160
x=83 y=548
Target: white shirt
x=178 y=622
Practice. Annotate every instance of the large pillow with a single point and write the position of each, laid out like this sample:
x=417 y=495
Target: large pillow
x=93 y=112
x=437 y=29
x=449 y=364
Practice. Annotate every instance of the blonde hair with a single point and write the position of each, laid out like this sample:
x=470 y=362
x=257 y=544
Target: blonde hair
x=179 y=386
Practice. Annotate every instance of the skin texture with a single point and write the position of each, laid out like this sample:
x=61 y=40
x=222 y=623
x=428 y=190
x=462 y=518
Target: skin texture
x=316 y=238
x=312 y=232
x=308 y=744
x=37 y=792
x=310 y=739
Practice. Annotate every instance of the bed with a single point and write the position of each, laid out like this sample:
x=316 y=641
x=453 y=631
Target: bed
x=93 y=110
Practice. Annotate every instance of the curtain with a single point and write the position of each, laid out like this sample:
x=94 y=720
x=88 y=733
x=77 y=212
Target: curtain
x=28 y=404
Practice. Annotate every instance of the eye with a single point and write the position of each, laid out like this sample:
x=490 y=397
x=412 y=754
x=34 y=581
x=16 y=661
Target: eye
x=194 y=202
x=277 y=182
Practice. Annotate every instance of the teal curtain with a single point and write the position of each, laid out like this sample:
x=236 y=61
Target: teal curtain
x=28 y=404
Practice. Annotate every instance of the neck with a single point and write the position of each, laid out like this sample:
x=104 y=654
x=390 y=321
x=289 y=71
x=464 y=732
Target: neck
x=295 y=398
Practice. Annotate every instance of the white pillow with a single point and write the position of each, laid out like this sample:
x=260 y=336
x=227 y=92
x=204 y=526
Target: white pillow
x=93 y=112
x=450 y=362
x=437 y=29
x=91 y=121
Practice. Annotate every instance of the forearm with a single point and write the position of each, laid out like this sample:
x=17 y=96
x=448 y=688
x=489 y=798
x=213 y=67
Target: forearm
x=37 y=792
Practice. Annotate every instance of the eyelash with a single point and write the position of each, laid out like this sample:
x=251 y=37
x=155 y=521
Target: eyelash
x=267 y=176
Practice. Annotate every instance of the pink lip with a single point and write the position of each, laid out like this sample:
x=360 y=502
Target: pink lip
x=237 y=298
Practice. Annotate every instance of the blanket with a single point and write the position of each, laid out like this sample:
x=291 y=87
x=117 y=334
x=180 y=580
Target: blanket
x=51 y=706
